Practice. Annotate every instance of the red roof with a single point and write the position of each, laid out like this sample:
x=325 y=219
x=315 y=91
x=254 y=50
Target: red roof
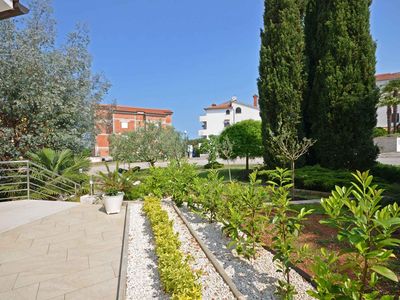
x=121 y=108
x=224 y=105
x=387 y=76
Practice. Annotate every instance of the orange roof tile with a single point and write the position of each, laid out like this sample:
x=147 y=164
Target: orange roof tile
x=224 y=105
x=122 y=108
x=387 y=76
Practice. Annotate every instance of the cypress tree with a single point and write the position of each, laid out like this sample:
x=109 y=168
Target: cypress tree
x=281 y=70
x=340 y=109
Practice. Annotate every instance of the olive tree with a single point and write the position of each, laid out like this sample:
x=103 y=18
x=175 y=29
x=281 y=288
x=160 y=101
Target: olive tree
x=48 y=93
x=150 y=143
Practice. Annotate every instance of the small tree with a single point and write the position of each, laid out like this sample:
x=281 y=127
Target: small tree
x=288 y=145
x=174 y=144
x=226 y=151
x=246 y=139
x=287 y=226
x=210 y=146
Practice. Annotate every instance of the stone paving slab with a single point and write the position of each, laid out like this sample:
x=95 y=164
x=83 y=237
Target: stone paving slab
x=17 y=213
x=72 y=254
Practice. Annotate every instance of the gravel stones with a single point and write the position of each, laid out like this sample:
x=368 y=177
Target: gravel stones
x=143 y=280
x=256 y=278
x=213 y=286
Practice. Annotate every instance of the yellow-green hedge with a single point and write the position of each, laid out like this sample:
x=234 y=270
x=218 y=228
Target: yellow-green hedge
x=176 y=275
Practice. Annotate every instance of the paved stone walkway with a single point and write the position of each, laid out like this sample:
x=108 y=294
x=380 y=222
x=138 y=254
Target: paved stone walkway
x=17 y=213
x=73 y=254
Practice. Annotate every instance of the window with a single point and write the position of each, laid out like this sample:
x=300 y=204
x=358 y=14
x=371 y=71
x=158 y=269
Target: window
x=238 y=110
x=124 y=125
x=204 y=125
x=226 y=123
x=228 y=112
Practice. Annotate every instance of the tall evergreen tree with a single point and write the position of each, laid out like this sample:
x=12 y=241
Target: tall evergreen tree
x=281 y=70
x=342 y=96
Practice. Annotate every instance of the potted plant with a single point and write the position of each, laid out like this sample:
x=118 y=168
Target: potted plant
x=114 y=185
x=112 y=199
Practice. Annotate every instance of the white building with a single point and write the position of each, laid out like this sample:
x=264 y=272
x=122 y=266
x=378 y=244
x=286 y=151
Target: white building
x=381 y=81
x=219 y=116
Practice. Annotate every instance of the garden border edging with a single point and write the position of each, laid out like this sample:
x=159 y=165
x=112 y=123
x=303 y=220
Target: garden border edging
x=211 y=257
x=123 y=266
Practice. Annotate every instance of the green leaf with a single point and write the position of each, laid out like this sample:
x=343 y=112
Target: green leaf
x=385 y=272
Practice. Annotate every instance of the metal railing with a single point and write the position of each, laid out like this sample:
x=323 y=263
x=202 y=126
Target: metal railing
x=25 y=179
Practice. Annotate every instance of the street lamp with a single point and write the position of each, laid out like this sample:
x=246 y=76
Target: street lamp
x=11 y=8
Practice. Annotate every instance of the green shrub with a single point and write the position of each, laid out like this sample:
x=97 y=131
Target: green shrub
x=320 y=179
x=387 y=172
x=244 y=214
x=367 y=229
x=181 y=177
x=176 y=275
x=214 y=165
x=207 y=195
x=173 y=181
x=379 y=131
x=156 y=184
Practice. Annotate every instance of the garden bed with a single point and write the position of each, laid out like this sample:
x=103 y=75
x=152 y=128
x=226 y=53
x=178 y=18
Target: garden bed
x=318 y=235
x=255 y=278
x=143 y=278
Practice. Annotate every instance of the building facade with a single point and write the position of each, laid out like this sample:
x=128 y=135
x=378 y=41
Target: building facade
x=381 y=81
x=219 y=116
x=120 y=119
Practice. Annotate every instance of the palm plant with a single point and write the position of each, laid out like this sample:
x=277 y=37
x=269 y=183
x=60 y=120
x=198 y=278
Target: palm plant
x=113 y=182
x=65 y=163
x=390 y=97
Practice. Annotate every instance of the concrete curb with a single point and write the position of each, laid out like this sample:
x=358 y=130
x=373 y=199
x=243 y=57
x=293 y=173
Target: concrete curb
x=123 y=267
x=211 y=257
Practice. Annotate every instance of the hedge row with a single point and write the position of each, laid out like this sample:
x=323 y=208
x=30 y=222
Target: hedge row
x=176 y=275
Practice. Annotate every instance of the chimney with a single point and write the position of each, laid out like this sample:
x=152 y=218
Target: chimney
x=255 y=99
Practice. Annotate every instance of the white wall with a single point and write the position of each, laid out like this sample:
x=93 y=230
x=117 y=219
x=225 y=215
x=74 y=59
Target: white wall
x=215 y=118
x=6 y=5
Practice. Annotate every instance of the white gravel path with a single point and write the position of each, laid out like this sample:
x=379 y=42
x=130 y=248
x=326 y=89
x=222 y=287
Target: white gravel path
x=213 y=286
x=143 y=280
x=255 y=279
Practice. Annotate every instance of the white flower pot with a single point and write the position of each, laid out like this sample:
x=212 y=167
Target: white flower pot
x=87 y=199
x=112 y=204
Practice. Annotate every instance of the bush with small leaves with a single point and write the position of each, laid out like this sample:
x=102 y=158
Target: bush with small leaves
x=176 y=275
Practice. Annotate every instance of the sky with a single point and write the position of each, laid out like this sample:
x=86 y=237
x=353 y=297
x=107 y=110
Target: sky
x=184 y=55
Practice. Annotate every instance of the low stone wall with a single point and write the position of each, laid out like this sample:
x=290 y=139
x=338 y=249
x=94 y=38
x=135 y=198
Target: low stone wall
x=388 y=144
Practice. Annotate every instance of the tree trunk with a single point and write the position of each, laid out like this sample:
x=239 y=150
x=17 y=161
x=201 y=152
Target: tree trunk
x=394 y=118
x=389 y=118
x=247 y=162
x=229 y=170
x=292 y=165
